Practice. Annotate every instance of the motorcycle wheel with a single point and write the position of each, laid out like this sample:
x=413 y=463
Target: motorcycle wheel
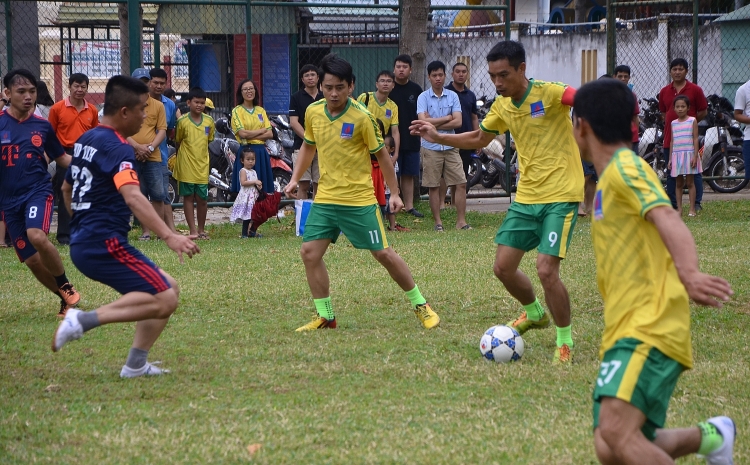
x=475 y=174
x=172 y=191
x=735 y=166
x=280 y=179
x=489 y=180
x=656 y=162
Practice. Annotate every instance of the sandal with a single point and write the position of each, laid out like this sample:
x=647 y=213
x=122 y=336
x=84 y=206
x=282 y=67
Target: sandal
x=203 y=237
x=466 y=227
x=4 y=245
x=439 y=228
x=145 y=237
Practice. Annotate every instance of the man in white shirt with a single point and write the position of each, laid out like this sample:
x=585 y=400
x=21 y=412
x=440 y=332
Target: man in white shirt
x=742 y=114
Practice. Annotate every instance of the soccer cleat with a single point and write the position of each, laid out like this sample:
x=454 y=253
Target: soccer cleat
x=63 y=309
x=400 y=228
x=425 y=314
x=523 y=324
x=69 y=294
x=68 y=330
x=563 y=355
x=723 y=455
x=318 y=322
x=149 y=369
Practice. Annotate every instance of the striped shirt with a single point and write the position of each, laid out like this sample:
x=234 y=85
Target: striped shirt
x=682 y=135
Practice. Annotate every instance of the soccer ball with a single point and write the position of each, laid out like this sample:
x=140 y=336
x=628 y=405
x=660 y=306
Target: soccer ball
x=502 y=344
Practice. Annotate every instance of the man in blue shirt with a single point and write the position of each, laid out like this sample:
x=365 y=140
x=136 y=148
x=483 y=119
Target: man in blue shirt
x=156 y=87
x=442 y=108
x=26 y=186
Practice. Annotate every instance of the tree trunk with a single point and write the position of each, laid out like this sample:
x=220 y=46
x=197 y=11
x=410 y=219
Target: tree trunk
x=122 y=16
x=582 y=7
x=413 y=41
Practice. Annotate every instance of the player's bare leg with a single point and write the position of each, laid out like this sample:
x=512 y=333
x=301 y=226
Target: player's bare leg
x=555 y=294
x=190 y=213
x=202 y=213
x=42 y=274
x=48 y=254
x=515 y=281
x=315 y=269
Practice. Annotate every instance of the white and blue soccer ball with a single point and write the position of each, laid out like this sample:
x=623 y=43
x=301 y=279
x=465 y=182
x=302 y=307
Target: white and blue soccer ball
x=502 y=344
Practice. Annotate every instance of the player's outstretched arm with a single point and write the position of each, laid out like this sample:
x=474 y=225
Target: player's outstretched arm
x=304 y=160
x=142 y=209
x=467 y=140
x=67 y=193
x=702 y=288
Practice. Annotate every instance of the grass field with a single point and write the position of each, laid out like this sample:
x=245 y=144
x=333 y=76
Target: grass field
x=379 y=389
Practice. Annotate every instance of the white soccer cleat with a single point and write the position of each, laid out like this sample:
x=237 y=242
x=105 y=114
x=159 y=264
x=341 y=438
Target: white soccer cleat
x=149 y=369
x=723 y=455
x=68 y=330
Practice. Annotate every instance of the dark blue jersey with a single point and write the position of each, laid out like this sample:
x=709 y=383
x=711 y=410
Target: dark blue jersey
x=23 y=168
x=103 y=161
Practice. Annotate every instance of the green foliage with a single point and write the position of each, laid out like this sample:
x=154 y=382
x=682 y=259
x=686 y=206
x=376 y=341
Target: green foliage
x=379 y=389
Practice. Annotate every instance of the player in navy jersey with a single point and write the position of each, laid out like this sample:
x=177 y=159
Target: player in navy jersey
x=101 y=188
x=26 y=186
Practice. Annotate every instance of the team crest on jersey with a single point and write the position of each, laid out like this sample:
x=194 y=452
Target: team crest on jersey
x=537 y=109
x=347 y=130
x=598 y=211
x=388 y=114
x=260 y=117
x=208 y=130
x=126 y=165
x=5 y=137
x=36 y=139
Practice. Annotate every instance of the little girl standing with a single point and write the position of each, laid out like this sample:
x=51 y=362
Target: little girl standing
x=243 y=204
x=684 y=158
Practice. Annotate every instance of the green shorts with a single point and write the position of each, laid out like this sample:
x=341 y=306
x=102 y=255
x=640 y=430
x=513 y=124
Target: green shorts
x=546 y=226
x=642 y=376
x=363 y=226
x=188 y=188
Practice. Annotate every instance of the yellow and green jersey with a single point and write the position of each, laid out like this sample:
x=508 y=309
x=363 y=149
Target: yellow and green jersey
x=344 y=145
x=249 y=120
x=192 y=163
x=643 y=296
x=387 y=113
x=548 y=157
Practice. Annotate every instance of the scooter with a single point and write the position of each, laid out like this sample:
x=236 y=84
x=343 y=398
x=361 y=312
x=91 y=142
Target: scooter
x=722 y=147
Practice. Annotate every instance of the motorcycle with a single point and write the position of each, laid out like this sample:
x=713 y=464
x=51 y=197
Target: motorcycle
x=495 y=168
x=651 y=129
x=722 y=147
x=280 y=148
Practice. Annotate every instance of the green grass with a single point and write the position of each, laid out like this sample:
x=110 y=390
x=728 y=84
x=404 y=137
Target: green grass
x=379 y=389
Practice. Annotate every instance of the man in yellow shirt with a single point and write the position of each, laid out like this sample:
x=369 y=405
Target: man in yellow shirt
x=147 y=154
x=345 y=135
x=647 y=267
x=544 y=213
x=194 y=131
x=383 y=108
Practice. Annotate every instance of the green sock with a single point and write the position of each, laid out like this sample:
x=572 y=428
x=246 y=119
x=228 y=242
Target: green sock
x=415 y=297
x=534 y=310
x=564 y=336
x=323 y=306
x=711 y=438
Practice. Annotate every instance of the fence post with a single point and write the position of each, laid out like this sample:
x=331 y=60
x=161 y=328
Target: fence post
x=134 y=32
x=695 y=41
x=249 y=40
x=611 y=44
x=157 y=47
x=9 y=34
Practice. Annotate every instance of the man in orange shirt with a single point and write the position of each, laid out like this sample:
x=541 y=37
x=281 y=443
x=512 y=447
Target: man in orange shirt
x=70 y=118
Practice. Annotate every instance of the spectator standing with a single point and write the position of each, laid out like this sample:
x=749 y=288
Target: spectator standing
x=252 y=127
x=742 y=114
x=26 y=187
x=383 y=108
x=194 y=131
x=441 y=108
x=678 y=69
x=298 y=104
x=469 y=112
x=684 y=159
x=622 y=73
x=146 y=145
x=156 y=89
x=44 y=100
x=70 y=118
x=405 y=94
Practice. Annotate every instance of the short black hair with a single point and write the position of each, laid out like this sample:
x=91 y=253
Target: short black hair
x=682 y=97
x=354 y=78
x=605 y=76
x=78 y=78
x=157 y=73
x=434 y=66
x=170 y=93
x=388 y=141
x=307 y=68
x=122 y=91
x=622 y=69
x=42 y=95
x=336 y=66
x=403 y=58
x=19 y=76
x=387 y=73
x=196 y=92
x=611 y=123
x=678 y=62
x=508 y=50
x=460 y=64
x=246 y=151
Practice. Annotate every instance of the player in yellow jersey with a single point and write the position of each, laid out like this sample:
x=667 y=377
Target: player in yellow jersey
x=544 y=213
x=345 y=135
x=647 y=267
